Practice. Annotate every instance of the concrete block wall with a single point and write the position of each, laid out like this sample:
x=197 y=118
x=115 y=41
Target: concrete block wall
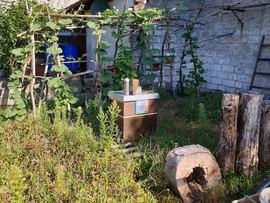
x=84 y=90
x=229 y=61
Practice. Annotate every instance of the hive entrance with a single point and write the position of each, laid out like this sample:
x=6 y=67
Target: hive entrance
x=196 y=182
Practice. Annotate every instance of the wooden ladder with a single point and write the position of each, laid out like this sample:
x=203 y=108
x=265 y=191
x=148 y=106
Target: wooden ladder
x=256 y=66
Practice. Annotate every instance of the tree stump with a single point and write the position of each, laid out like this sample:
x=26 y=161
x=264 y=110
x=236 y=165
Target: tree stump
x=228 y=132
x=264 y=146
x=190 y=170
x=248 y=129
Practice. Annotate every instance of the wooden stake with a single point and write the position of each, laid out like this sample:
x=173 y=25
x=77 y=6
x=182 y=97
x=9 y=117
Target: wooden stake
x=228 y=132
x=248 y=128
x=135 y=85
x=32 y=83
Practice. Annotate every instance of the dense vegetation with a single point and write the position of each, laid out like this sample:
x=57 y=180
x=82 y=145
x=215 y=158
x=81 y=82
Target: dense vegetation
x=55 y=160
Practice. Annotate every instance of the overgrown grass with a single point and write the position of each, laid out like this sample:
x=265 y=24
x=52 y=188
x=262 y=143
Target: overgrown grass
x=60 y=161
x=65 y=162
x=212 y=103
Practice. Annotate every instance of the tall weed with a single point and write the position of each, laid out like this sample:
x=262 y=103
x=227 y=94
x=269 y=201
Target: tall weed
x=212 y=104
x=65 y=161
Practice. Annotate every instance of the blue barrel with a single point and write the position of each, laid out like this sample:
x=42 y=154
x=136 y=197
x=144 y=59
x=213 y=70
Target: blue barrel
x=71 y=51
x=46 y=55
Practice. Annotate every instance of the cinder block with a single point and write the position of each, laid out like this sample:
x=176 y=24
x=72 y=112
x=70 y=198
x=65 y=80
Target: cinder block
x=249 y=71
x=239 y=70
x=207 y=78
x=75 y=82
x=217 y=81
x=260 y=81
x=232 y=90
x=216 y=67
x=244 y=78
x=223 y=75
x=233 y=76
x=166 y=79
x=228 y=68
x=83 y=96
x=229 y=83
x=211 y=73
x=211 y=86
x=222 y=88
x=238 y=85
x=249 y=14
x=222 y=61
x=228 y=17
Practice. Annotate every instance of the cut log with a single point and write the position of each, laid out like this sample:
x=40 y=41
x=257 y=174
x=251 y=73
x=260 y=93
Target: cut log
x=228 y=132
x=248 y=129
x=264 y=146
x=190 y=170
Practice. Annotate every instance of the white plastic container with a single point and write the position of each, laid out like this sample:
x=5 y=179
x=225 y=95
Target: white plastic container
x=265 y=195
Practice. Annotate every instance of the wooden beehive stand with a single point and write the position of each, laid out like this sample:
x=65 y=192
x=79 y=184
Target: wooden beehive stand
x=244 y=132
x=128 y=148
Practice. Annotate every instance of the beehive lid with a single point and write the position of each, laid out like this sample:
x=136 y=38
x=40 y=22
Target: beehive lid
x=119 y=95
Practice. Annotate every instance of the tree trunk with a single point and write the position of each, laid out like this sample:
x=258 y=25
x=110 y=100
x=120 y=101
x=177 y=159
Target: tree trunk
x=264 y=145
x=248 y=129
x=228 y=132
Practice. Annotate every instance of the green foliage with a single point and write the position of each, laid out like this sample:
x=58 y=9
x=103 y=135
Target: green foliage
x=151 y=77
x=141 y=46
x=125 y=65
x=149 y=61
x=209 y=104
x=65 y=161
x=148 y=26
x=188 y=85
x=162 y=93
x=14 y=20
x=106 y=77
x=105 y=60
x=104 y=45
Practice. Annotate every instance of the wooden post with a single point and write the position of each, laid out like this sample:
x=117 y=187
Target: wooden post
x=248 y=129
x=228 y=132
x=264 y=145
x=32 y=83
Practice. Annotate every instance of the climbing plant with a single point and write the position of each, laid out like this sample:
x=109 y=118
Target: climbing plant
x=64 y=95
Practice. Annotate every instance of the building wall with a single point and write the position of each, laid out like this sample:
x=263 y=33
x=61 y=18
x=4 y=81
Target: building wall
x=117 y=5
x=228 y=61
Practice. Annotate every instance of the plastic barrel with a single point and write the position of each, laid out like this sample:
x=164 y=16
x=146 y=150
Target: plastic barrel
x=71 y=51
x=46 y=55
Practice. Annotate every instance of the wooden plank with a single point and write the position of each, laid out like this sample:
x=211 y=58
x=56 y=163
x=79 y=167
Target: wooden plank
x=263 y=59
x=265 y=88
x=127 y=108
x=153 y=103
x=261 y=73
x=134 y=127
x=266 y=45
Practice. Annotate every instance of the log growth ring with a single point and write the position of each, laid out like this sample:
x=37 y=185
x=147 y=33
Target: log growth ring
x=190 y=170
